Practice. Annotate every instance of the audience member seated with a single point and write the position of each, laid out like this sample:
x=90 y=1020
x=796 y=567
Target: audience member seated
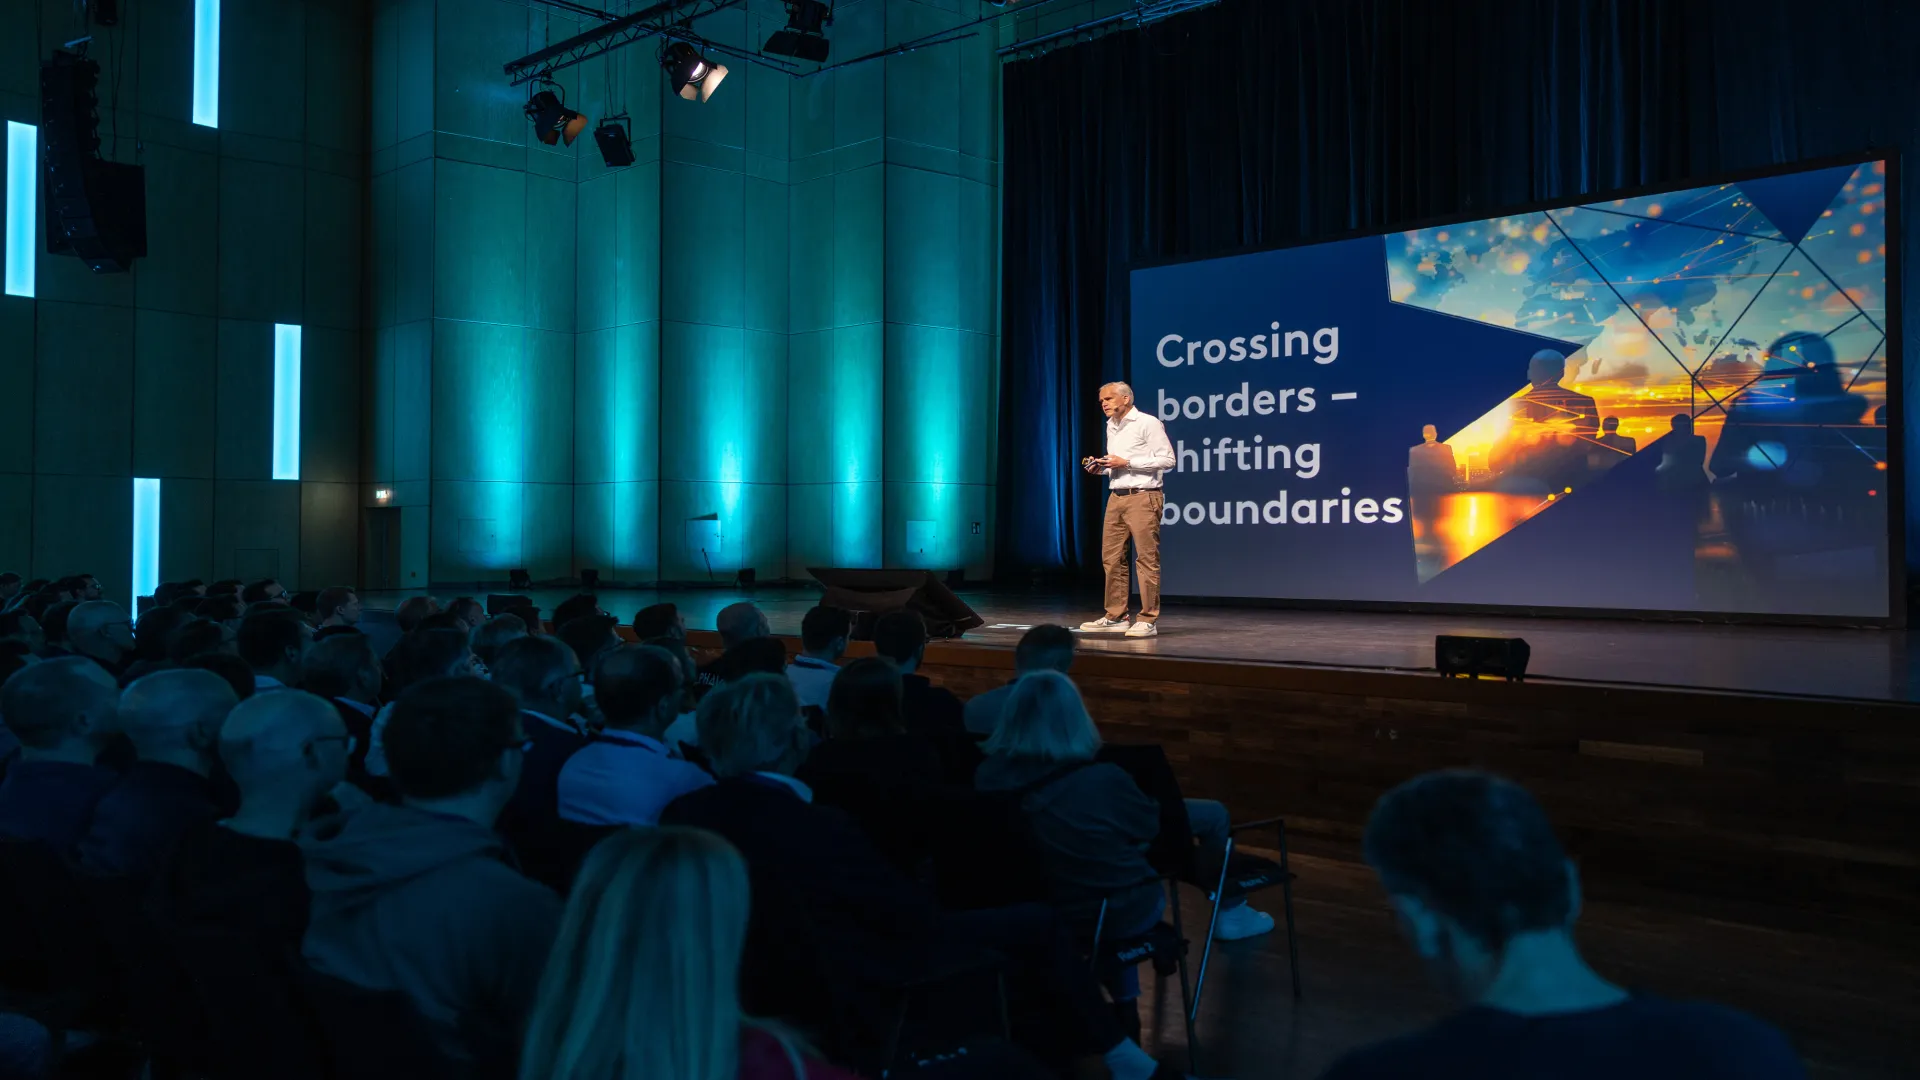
x=63 y=712
x=869 y=766
x=823 y=640
x=83 y=588
x=227 y=666
x=627 y=775
x=445 y=620
x=754 y=656
x=423 y=897
x=644 y=980
x=659 y=620
x=577 y=606
x=420 y=656
x=196 y=637
x=19 y=628
x=101 y=631
x=273 y=643
x=337 y=606
x=286 y=752
x=469 y=611
x=588 y=636
x=813 y=872
x=1043 y=648
x=496 y=632
x=344 y=671
x=173 y=719
x=413 y=609
x=51 y=613
x=901 y=636
x=1487 y=898
x=150 y=637
x=263 y=591
x=544 y=677
x=220 y=609
x=738 y=624
x=685 y=729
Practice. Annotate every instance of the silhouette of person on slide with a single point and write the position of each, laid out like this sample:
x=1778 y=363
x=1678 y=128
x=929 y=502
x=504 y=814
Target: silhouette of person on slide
x=1610 y=436
x=1431 y=466
x=1547 y=402
x=1683 y=459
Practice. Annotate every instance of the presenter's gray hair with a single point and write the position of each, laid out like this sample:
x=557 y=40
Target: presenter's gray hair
x=1124 y=390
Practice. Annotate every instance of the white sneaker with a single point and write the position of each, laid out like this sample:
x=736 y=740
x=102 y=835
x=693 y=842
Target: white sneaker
x=1104 y=625
x=1241 y=922
x=1142 y=628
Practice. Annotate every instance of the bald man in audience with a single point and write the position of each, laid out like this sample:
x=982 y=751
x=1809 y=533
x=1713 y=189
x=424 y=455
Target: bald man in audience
x=287 y=752
x=62 y=711
x=101 y=631
x=738 y=624
x=173 y=719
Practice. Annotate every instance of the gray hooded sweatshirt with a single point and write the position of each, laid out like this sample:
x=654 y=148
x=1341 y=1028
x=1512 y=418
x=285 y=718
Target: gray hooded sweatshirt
x=431 y=905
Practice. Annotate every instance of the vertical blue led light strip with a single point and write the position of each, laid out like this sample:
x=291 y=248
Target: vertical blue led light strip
x=206 y=63
x=146 y=537
x=23 y=215
x=286 y=401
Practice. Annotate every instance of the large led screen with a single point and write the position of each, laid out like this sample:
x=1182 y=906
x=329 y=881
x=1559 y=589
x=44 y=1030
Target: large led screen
x=1665 y=403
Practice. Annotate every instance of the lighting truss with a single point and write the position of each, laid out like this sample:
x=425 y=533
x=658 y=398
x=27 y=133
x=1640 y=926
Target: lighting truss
x=671 y=19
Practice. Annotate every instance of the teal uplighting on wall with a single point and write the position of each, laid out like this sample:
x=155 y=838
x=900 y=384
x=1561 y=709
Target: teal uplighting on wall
x=206 y=63
x=286 y=402
x=146 y=537
x=23 y=184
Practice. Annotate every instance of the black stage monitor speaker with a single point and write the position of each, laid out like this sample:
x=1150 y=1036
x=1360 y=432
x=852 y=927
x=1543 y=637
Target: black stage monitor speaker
x=869 y=594
x=95 y=209
x=1472 y=657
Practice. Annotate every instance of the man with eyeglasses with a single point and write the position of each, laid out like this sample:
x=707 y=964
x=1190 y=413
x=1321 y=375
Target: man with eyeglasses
x=423 y=897
x=545 y=677
x=101 y=631
x=286 y=752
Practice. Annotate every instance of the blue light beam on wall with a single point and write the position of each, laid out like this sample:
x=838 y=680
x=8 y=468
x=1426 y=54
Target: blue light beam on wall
x=146 y=538
x=206 y=63
x=286 y=401
x=23 y=215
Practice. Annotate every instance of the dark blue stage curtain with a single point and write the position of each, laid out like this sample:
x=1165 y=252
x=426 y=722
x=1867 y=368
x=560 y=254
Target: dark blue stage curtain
x=1264 y=122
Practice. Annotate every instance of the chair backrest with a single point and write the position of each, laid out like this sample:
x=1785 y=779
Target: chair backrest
x=1172 y=852
x=371 y=1034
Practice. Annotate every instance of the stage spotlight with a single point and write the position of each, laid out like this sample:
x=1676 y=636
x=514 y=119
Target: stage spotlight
x=552 y=120
x=694 y=77
x=616 y=146
x=802 y=39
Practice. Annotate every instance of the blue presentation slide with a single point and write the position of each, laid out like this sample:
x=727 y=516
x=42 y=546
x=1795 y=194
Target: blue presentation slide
x=1665 y=403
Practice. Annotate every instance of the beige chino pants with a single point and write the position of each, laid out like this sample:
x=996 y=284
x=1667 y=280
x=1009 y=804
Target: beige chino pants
x=1134 y=515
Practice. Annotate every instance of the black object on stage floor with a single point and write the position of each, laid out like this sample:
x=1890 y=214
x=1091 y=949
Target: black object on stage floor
x=869 y=594
x=1473 y=657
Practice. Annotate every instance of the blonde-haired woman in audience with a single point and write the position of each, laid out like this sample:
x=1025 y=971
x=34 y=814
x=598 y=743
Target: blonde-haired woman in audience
x=643 y=983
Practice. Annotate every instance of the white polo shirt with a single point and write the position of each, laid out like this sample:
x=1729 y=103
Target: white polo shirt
x=1142 y=440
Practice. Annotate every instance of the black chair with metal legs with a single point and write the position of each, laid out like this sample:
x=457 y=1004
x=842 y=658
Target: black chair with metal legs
x=1175 y=855
x=1164 y=945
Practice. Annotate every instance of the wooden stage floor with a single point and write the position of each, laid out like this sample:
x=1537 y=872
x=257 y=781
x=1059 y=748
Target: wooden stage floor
x=1859 y=664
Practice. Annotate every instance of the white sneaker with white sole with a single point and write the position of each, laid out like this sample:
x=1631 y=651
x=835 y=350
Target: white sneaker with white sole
x=1142 y=628
x=1241 y=922
x=1104 y=625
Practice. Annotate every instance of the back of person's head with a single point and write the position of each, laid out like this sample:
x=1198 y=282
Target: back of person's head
x=273 y=639
x=430 y=654
x=227 y=666
x=1045 y=720
x=1682 y=423
x=332 y=601
x=765 y=655
x=644 y=977
x=529 y=616
x=440 y=620
x=51 y=703
x=8 y=580
x=864 y=700
x=413 y=609
x=217 y=608
x=193 y=637
x=538 y=671
x=187 y=602
x=1044 y=648
x=262 y=590
x=900 y=636
x=753 y=724
x=1469 y=853
x=18 y=626
x=306 y=603
x=452 y=737
x=468 y=610
x=658 y=620
x=37 y=604
x=169 y=712
x=287 y=738
x=225 y=587
x=166 y=593
x=637 y=688
x=342 y=666
x=53 y=619
x=73 y=585
x=683 y=656
x=494 y=633
x=577 y=606
x=741 y=622
x=1610 y=425
x=589 y=636
x=154 y=630
x=825 y=629
x=100 y=628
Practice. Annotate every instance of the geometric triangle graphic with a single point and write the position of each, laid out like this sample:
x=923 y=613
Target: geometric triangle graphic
x=1794 y=201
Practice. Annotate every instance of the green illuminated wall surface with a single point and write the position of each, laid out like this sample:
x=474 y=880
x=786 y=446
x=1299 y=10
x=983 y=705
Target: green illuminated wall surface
x=768 y=344
x=168 y=371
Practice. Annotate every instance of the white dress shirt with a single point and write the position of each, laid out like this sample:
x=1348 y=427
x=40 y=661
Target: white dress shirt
x=812 y=680
x=1142 y=441
x=624 y=778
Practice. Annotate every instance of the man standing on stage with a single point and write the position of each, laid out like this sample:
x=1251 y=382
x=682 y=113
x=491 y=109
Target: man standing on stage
x=1137 y=453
